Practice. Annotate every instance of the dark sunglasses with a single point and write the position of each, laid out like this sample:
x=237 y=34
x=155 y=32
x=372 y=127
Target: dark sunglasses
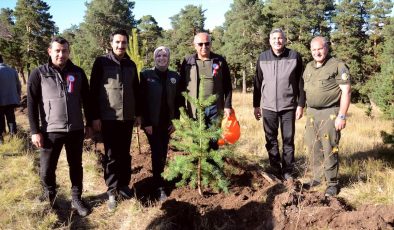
x=204 y=43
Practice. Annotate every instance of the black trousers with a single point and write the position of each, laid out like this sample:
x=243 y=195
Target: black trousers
x=158 y=142
x=7 y=111
x=49 y=156
x=271 y=122
x=117 y=159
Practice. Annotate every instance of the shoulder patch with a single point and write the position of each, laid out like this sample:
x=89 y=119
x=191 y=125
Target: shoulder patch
x=345 y=76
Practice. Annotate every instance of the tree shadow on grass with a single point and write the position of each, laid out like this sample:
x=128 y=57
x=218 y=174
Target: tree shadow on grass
x=382 y=152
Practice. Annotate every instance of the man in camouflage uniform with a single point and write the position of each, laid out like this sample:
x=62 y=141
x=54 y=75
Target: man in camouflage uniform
x=327 y=88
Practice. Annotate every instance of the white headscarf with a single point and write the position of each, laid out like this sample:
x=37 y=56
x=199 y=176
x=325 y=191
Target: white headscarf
x=167 y=51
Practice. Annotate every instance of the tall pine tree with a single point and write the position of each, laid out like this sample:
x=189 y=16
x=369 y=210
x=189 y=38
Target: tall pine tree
x=349 y=38
x=149 y=32
x=34 y=28
x=244 y=37
x=102 y=17
x=189 y=21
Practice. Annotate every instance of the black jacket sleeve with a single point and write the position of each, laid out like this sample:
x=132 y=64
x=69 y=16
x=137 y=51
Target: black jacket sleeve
x=95 y=80
x=86 y=99
x=257 y=84
x=145 y=118
x=301 y=91
x=34 y=100
x=227 y=87
x=136 y=85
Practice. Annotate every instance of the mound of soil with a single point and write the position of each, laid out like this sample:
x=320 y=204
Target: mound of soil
x=257 y=200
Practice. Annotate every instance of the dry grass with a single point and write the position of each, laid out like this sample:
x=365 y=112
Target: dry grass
x=366 y=163
x=366 y=172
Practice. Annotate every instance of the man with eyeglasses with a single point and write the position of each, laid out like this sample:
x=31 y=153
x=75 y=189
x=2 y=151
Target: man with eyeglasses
x=217 y=81
x=279 y=98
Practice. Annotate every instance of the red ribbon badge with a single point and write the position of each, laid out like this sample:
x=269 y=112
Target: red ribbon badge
x=215 y=69
x=70 y=83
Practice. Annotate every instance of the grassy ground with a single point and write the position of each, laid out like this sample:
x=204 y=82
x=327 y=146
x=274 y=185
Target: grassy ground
x=366 y=174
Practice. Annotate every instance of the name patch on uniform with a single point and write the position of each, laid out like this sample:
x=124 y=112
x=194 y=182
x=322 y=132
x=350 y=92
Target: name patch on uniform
x=173 y=80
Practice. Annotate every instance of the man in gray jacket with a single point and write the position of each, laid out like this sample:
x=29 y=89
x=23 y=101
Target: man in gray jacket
x=279 y=98
x=56 y=93
x=10 y=93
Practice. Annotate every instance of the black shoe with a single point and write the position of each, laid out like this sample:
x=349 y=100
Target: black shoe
x=331 y=191
x=310 y=184
x=111 y=203
x=126 y=192
x=80 y=207
x=161 y=194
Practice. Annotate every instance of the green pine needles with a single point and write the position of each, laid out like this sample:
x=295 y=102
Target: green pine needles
x=199 y=166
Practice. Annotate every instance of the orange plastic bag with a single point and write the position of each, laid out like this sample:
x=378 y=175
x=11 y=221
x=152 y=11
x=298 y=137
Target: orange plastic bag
x=230 y=129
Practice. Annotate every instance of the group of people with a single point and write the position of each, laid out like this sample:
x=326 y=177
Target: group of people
x=282 y=89
x=114 y=101
x=60 y=98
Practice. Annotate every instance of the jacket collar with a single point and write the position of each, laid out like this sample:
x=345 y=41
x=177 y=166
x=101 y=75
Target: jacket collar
x=67 y=67
x=112 y=56
x=285 y=53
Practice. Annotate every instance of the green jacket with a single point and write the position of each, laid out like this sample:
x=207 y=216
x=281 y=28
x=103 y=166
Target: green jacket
x=321 y=84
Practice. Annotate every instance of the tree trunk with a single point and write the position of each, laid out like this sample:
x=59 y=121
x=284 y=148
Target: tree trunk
x=199 y=177
x=22 y=75
x=243 y=81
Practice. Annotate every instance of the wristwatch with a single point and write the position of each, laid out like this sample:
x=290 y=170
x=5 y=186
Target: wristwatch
x=342 y=116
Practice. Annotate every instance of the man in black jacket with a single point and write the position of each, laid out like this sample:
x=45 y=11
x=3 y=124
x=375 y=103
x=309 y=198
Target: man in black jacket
x=56 y=93
x=114 y=92
x=217 y=80
x=279 y=98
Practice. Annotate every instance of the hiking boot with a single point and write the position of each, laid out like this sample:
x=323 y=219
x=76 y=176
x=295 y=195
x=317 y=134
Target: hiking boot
x=331 y=191
x=310 y=184
x=126 y=192
x=80 y=207
x=161 y=194
x=111 y=203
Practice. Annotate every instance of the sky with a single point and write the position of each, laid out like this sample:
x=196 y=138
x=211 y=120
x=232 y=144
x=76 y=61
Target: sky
x=71 y=12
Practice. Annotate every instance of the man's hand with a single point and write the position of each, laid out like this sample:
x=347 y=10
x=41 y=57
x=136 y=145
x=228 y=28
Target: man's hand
x=96 y=125
x=88 y=132
x=148 y=130
x=137 y=121
x=257 y=113
x=37 y=140
x=339 y=124
x=227 y=112
x=299 y=112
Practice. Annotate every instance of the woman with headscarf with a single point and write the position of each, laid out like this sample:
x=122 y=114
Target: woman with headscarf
x=161 y=97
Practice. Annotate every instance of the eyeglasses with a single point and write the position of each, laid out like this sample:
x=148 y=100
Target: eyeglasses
x=203 y=43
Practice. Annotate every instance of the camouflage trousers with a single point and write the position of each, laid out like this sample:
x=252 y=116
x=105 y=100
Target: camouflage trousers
x=321 y=140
